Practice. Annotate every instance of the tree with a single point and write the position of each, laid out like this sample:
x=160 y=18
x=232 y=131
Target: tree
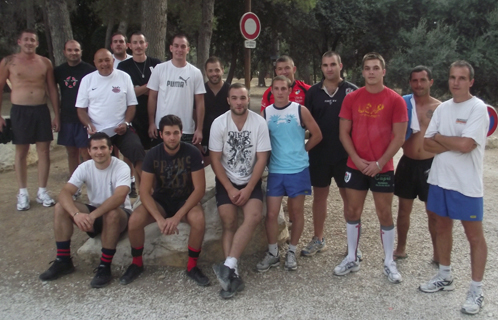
x=59 y=26
x=205 y=33
x=154 y=22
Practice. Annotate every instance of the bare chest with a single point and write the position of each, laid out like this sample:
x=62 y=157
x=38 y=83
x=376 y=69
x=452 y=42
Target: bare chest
x=27 y=72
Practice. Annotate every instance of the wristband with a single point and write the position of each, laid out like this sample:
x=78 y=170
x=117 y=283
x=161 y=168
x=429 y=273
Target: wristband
x=74 y=215
x=377 y=163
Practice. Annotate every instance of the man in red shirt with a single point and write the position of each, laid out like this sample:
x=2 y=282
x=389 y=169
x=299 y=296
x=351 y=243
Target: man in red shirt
x=372 y=129
x=285 y=67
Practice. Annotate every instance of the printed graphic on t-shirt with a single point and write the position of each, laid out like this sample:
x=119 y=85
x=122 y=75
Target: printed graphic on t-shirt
x=370 y=111
x=174 y=176
x=70 y=82
x=177 y=84
x=287 y=118
x=240 y=157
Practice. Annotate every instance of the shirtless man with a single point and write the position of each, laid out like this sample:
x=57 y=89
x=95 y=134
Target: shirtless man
x=413 y=168
x=32 y=78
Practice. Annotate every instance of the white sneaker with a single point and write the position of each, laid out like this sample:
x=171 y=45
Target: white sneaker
x=474 y=303
x=437 y=283
x=392 y=273
x=45 y=199
x=290 y=261
x=22 y=202
x=347 y=266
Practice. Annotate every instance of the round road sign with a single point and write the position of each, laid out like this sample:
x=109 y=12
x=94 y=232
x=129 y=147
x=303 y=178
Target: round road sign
x=493 y=120
x=250 y=27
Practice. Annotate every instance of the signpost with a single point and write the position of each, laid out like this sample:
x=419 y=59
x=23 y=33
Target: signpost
x=250 y=27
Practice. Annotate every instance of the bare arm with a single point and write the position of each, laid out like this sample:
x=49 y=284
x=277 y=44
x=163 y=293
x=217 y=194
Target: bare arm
x=113 y=202
x=85 y=120
x=141 y=90
x=460 y=144
x=4 y=75
x=311 y=125
x=146 y=184
x=129 y=115
x=53 y=94
x=151 y=110
x=345 y=127
x=432 y=146
x=199 y=110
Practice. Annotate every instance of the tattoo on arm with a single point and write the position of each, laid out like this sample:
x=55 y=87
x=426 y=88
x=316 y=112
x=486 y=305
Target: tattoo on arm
x=8 y=59
x=429 y=113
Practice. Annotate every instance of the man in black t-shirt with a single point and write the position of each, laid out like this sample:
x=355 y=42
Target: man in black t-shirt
x=68 y=76
x=328 y=158
x=215 y=100
x=139 y=67
x=178 y=171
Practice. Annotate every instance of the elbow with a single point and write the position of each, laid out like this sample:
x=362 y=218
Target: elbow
x=468 y=147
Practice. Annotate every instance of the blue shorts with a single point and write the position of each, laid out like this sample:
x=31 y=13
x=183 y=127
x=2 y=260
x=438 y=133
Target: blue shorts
x=291 y=185
x=454 y=205
x=73 y=135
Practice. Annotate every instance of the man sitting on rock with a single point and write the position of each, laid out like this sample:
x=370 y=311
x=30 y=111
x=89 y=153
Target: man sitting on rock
x=239 y=143
x=178 y=171
x=107 y=182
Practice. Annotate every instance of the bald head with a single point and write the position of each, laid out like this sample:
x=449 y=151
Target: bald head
x=72 y=52
x=103 y=61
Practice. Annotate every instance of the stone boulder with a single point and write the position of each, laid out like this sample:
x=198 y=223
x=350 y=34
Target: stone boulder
x=172 y=250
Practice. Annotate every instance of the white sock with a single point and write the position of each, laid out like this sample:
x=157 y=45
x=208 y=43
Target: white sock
x=353 y=233
x=292 y=248
x=387 y=235
x=132 y=178
x=476 y=286
x=273 y=249
x=24 y=191
x=444 y=271
x=42 y=190
x=231 y=262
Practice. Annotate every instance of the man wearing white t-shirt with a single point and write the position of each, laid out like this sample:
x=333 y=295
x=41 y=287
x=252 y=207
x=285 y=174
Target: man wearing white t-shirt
x=239 y=144
x=107 y=181
x=174 y=87
x=106 y=102
x=118 y=48
x=457 y=135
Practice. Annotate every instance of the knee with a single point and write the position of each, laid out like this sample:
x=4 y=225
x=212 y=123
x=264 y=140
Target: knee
x=196 y=219
x=475 y=238
x=253 y=217
x=112 y=217
x=59 y=211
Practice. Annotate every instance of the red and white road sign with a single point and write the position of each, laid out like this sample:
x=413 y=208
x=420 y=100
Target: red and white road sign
x=493 y=120
x=250 y=27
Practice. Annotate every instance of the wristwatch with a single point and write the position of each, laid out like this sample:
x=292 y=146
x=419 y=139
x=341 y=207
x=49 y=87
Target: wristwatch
x=128 y=124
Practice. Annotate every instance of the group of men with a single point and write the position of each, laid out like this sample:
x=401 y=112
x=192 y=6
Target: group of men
x=353 y=136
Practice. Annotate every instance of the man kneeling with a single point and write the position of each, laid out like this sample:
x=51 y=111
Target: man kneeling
x=107 y=182
x=178 y=170
x=239 y=143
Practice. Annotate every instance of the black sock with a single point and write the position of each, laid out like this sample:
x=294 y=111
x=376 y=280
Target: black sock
x=63 y=250
x=107 y=255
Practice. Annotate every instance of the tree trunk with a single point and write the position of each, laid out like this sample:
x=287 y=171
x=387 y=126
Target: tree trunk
x=30 y=14
x=125 y=14
x=233 y=63
x=48 y=37
x=154 y=27
x=205 y=33
x=108 y=33
x=59 y=26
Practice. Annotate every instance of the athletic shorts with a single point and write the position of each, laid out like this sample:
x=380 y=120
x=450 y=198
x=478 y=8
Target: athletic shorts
x=141 y=128
x=410 y=178
x=169 y=206
x=129 y=145
x=222 y=196
x=452 y=204
x=31 y=124
x=98 y=224
x=322 y=174
x=382 y=182
x=73 y=135
x=291 y=185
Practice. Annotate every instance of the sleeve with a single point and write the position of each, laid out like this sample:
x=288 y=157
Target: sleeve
x=199 y=83
x=216 y=134
x=265 y=102
x=264 y=143
x=148 y=163
x=122 y=176
x=154 y=79
x=346 y=108
x=197 y=160
x=400 y=113
x=477 y=125
x=79 y=177
x=131 y=98
x=433 y=127
x=82 y=99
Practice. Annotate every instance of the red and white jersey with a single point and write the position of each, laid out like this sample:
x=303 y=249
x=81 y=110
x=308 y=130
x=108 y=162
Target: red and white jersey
x=297 y=95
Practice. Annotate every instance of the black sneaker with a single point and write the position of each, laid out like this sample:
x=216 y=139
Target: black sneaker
x=57 y=269
x=131 y=274
x=224 y=274
x=102 y=276
x=236 y=285
x=133 y=191
x=199 y=277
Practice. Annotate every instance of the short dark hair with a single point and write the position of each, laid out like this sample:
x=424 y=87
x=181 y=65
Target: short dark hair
x=420 y=69
x=282 y=78
x=464 y=64
x=170 y=120
x=138 y=33
x=330 y=54
x=237 y=85
x=72 y=40
x=180 y=35
x=213 y=59
x=284 y=58
x=99 y=136
x=32 y=31
x=373 y=56
x=118 y=33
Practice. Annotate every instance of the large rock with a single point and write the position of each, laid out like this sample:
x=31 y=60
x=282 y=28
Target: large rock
x=172 y=250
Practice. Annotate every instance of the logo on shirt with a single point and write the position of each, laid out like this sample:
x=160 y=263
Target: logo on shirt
x=370 y=111
x=177 y=84
x=347 y=176
x=70 y=82
x=330 y=101
x=349 y=90
x=461 y=121
x=116 y=89
x=297 y=91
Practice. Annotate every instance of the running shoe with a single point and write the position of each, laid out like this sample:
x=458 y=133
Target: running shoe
x=313 y=247
x=196 y=274
x=473 y=303
x=437 y=283
x=392 y=273
x=45 y=199
x=268 y=262
x=102 y=276
x=57 y=269
x=347 y=266
x=290 y=261
x=23 y=202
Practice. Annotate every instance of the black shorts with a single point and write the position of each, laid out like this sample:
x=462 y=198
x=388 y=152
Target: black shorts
x=169 y=206
x=31 y=124
x=222 y=196
x=322 y=174
x=141 y=128
x=382 y=182
x=129 y=145
x=410 y=179
x=98 y=224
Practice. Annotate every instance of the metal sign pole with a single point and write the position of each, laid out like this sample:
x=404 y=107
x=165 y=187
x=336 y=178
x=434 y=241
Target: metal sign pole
x=247 y=55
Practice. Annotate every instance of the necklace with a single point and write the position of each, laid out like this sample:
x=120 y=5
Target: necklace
x=143 y=71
